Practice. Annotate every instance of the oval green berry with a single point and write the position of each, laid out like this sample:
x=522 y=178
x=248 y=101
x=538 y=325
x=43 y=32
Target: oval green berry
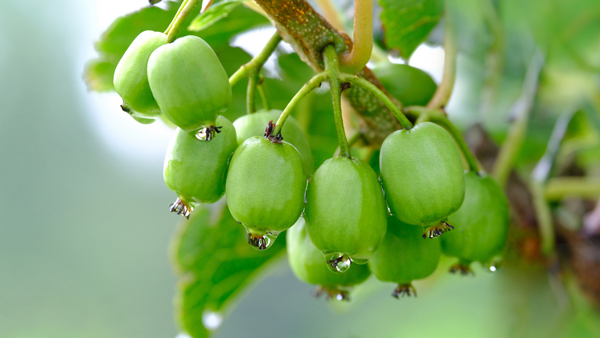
x=265 y=188
x=345 y=210
x=189 y=83
x=131 y=77
x=309 y=265
x=196 y=169
x=410 y=85
x=422 y=174
x=404 y=256
x=481 y=222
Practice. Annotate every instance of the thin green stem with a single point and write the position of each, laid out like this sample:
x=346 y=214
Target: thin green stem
x=520 y=111
x=561 y=187
x=544 y=217
x=181 y=7
x=312 y=84
x=333 y=72
x=443 y=92
x=438 y=117
x=263 y=94
x=188 y=6
x=256 y=64
x=251 y=94
x=362 y=47
x=358 y=81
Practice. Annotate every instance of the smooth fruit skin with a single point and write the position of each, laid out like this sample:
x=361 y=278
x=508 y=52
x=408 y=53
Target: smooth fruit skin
x=410 y=85
x=189 y=83
x=481 y=223
x=308 y=263
x=255 y=124
x=422 y=174
x=266 y=185
x=345 y=209
x=196 y=169
x=131 y=76
x=404 y=256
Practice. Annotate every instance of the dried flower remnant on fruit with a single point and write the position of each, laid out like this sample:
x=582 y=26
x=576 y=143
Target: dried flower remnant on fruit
x=181 y=208
x=269 y=131
x=404 y=290
x=331 y=293
x=437 y=230
x=463 y=268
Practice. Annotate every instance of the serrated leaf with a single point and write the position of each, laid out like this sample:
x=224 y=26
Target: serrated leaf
x=213 y=14
x=406 y=23
x=214 y=263
x=116 y=39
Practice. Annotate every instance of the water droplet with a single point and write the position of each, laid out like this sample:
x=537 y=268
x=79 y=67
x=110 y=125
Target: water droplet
x=261 y=241
x=492 y=268
x=211 y=320
x=338 y=262
x=202 y=134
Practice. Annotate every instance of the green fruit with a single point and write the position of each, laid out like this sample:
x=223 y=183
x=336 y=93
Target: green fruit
x=308 y=264
x=265 y=188
x=404 y=256
x=422 y=174
x=255 y=124
x=196 y=169
x=189 y=83
x=345 y=211
x=131 y=77
x=481 y=223
x=410 y=85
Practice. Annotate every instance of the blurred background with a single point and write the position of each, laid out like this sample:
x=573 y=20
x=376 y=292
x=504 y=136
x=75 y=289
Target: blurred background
x=84 y=227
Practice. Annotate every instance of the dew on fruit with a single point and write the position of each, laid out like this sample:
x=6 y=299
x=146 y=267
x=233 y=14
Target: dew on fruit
x=261 y=242
x=338 y=262
x=212 y=320
x=492 y=268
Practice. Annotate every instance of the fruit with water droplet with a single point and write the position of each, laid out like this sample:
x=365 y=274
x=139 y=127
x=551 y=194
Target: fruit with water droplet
x=131 y=77
x=189 y=83
x=404 y=256
x=422 y=174
x=254 y=125
x=481 y=223
x=265 y=188
x=196 y=169
x=410 y=85
x=345 y=211
x=309 y=265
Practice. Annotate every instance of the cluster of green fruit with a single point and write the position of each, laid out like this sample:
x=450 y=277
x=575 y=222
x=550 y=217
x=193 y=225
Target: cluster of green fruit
x=343 y=212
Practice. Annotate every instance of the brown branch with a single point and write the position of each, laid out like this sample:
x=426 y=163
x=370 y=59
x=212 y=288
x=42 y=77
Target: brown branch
x=309 y=33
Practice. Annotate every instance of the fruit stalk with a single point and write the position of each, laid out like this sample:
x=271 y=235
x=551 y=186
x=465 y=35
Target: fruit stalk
x=312 y=84
x=250 y=93
x=256 y=64
x=360 y=82
x=438 y=117
x=333 y=72
x=360 y=54
x=184 y=10
x=263 y=94
x=443 y=92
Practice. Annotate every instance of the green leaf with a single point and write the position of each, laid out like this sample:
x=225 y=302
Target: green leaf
x=213 y=14
x=214 y=263
x=116 y=39
x=407 y=23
